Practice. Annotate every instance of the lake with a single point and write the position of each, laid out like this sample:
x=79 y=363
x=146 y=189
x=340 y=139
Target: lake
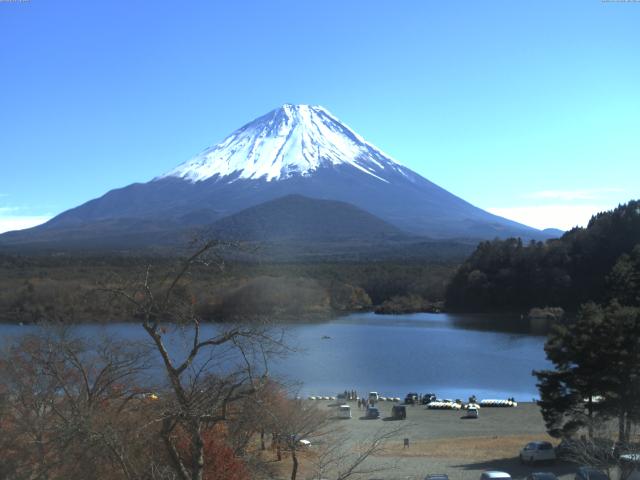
x=451 y=355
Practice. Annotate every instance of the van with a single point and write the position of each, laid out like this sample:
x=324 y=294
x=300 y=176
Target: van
x=344 y=411
x=373 y=412
x=399 y=412
x=411 y=398
x=373 y=396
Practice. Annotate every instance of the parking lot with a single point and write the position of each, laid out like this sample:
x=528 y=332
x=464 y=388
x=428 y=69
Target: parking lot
x=442 y=441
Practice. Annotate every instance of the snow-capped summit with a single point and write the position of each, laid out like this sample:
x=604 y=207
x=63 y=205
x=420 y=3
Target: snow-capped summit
x=292 y=151
x=288 y=141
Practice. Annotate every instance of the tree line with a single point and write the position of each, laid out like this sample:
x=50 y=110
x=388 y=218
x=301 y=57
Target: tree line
x=597 y=263
x=62 y=288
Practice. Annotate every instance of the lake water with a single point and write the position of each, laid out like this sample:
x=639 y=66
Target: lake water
x=451 y=355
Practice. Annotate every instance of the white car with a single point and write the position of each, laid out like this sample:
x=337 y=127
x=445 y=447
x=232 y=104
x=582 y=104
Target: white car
x=495 y=475
x=537 y=452
x=344 y=411
x=471 y=413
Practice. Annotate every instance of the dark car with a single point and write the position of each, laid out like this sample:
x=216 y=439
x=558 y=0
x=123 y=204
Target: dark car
x=373 y=412
x=590 y=473
x=541 y=476
x=399 y=412
x=411 y=399
x=437 y=476
x=427 y=398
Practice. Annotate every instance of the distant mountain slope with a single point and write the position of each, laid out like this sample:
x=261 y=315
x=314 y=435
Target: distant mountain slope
x=295 y=218
x=295 y=149
x=554 y=232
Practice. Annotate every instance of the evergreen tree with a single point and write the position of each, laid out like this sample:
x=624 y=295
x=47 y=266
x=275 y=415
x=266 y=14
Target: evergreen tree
x=597 y=371
x=624 y=279
x=568 y=393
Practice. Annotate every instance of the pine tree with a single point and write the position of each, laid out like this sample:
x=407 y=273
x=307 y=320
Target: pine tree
x=597 y=371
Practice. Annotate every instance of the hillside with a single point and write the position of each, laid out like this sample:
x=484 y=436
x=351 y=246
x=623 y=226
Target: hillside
x=295 y=218
x=584 y=264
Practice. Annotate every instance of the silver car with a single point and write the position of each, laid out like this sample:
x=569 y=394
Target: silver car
x=495 y=475
x=537 y=452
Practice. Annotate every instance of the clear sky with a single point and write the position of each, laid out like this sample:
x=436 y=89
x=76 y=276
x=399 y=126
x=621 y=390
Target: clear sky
x=530 y=109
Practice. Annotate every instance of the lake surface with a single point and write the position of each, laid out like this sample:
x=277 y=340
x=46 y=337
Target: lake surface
x=451 y=355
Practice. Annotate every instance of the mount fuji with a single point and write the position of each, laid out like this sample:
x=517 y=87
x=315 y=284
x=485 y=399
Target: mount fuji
x=291 y=151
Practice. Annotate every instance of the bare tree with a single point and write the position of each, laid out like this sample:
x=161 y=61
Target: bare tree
x=295 y=422
x=342 y=458
x=219 y=369
x=603 y=453
x=71 y=398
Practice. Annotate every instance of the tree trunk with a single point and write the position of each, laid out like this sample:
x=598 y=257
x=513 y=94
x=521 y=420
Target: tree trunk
x=197 y=450
x=278 y=449
x=294 y=469
x=621 y=427
x=590 y=414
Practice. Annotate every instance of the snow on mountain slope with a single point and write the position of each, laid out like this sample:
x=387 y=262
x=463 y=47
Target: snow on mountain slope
x=293 y=150
x=288 y=141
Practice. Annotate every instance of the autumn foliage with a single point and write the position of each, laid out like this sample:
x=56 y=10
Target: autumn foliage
x=221 y=463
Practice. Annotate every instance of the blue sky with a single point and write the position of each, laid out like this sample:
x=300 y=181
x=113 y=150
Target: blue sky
x=527 y=109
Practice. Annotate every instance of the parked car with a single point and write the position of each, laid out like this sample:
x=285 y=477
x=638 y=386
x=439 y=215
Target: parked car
x=344 y=411
x=373 y=412
x=541 y=476
x=373 y=396
x=399 y=412
x=437 y=476
x=495 y=475
x=629 y=466
x=537 y=452
x=622 y=448
x=427 y=398
x=471 y=413
x=590 y=473
x=411 y=398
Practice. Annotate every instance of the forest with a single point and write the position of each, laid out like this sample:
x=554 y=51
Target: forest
x=598 y=263
x=63 y=288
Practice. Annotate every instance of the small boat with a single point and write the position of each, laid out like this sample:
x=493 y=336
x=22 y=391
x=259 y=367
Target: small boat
x=444 y=405
x=492 y=402
x=326 y=337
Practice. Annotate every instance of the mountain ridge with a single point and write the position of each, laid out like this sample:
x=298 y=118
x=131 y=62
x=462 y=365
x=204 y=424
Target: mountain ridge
x=301 y=150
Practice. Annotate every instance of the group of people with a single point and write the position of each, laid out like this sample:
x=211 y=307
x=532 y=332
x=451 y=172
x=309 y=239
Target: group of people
x=350 y=395
x=364 y=403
